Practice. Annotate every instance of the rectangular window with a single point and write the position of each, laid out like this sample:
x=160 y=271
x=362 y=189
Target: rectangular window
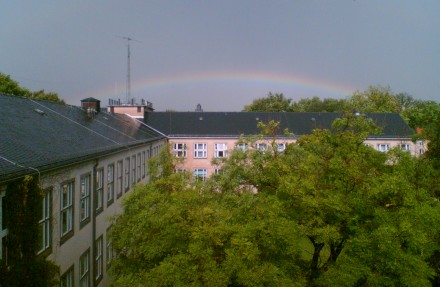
x=99 y=201
x=98 y=259
x=420 y=143
x=127 y=174
x=144 y=167
x=133 y=170
x=383 y=147
x=84 y=200
x=218 y=171
x=67 y=192
x=138 y=167
x=261 y=147
x=200 y=150
x=119 y=179
x=179 y=170
x=241 y=146
x=281 y=147
x=200 y=174
x=84 y=270
x=220 y=150
x=405 y=147
x=66 y=280
x=179 y=150
x=3 y=229
x=110 y=183
x=45 y=229
x=108 y=249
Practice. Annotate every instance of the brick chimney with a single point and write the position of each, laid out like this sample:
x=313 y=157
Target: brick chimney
x=91 y=103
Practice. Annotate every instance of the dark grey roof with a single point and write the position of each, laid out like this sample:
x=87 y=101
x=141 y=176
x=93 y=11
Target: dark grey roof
x=217 y=124
x=45 y=135
x=90 y=100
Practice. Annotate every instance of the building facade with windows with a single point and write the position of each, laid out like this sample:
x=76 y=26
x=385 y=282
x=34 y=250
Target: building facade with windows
x=86 y=163
x=200 y=137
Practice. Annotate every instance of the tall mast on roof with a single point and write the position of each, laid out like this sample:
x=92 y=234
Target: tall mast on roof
x=128 y=83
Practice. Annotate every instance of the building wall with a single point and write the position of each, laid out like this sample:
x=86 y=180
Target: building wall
x=66 y=251
x=194 y=162
x=136 y=111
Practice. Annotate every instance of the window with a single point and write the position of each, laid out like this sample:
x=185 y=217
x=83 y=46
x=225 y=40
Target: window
x=139 y=109
x=218 y=171
x=84 y=201
x=3 y=229
x=179 y=170
x=110 y=183
x=67 y=190
x=420 y=143
x=200 y=150
x=220 y=150
x=144 y=167
x=84 y=274
x=119 y=179
x=281 y=147
x=261 y=147
x=66 y=279
x=405 y=147
x=99 y=190
x=200 y=174
x=127 y=174
x=179 y=150
x=383 y=147
x=108 y=248
x=98 y=259
x=44 y=226
x=241 y=146
x=138 y=167
x=133 y=170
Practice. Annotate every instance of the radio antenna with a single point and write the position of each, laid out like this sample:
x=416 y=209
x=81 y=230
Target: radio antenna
x=128 y=83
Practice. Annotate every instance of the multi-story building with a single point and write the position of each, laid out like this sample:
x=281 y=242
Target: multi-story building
x=200 y=137
x=86 y=161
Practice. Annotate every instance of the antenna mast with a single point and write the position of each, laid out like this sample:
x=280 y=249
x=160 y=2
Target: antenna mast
x=128 y=84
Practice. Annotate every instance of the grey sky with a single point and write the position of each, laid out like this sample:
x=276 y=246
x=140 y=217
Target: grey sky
x=221 y=54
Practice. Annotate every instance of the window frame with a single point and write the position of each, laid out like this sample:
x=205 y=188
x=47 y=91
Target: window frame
x=119 y=178
x=180 y=150
x=383 y=147
x=99 y=190
x=144 y=165
x=110 y=183
x=127 y=167
x=69 y=273
x=45 y=223
x=133 y=169
x=200 y=150
x=98 y=259
x=220 y=150
x=84 y=274
x=67 y=210
x=138 y=169
x=198 y=176
x=84 y=198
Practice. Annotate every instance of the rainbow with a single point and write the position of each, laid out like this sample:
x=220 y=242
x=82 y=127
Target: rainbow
x=271 y=79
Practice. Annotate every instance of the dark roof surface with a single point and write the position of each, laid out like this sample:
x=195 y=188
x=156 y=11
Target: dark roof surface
x=217 y=124
x=44 y=135
x=90 y=100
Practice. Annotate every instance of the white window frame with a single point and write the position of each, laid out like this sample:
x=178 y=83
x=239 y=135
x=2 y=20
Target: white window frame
x=220 y=150
x=179 y=150
x=98 y=259
x=218 y=171
x=261 y=147
x=138 y=167
x=44 y=224
x=200 y=174
x=242 y=146
x=144 y=166
x=382 y=147
x=84 y=269
x=84 y=199
x=119 y=178
x=133 y=169
x=67 y=207
x=99 y=189
x=281 y=147
x=110 y=183
x=127 y=174
x=200 y=150
x=108 y=248
x=67 y=279
x=405 y=147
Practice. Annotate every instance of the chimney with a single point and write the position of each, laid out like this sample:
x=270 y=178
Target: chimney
x=91 y=103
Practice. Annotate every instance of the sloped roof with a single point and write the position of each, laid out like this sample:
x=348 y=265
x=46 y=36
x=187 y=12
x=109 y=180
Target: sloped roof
x=45 y=135
x=232 y=124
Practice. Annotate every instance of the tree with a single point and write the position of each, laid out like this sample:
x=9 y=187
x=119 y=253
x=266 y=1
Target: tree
x=328 y=211
x=271 y=103
x=10 y=87
x=375 y=99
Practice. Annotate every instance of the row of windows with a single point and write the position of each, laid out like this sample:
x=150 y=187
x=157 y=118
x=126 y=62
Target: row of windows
x=67 y=279
x=200 y=174
x=383 y=147
x=220 y=149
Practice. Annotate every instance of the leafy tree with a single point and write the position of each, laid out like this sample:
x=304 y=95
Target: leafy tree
x=328 y=211
x=375 y=99
x=271 y=103
x=315 y=104
x=10 y=87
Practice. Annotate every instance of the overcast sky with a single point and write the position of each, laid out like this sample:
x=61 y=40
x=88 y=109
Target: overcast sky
x=221 y=54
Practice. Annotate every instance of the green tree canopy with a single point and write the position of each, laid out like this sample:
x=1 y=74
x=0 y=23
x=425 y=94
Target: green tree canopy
x=10 y=87
x=271 y=103
x=328 y=211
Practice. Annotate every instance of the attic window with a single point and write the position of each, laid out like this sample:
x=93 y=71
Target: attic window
x=39 y=111
x=200 y=118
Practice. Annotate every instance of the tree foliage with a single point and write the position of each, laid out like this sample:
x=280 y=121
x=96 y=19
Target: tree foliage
x=24 y=267
x=10 y=87
x=271 y=103
x=328 y=211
